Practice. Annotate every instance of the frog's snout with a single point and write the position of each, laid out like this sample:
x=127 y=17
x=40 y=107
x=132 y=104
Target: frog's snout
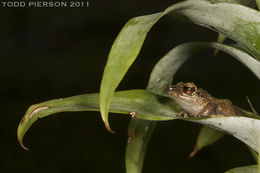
x=168 y=89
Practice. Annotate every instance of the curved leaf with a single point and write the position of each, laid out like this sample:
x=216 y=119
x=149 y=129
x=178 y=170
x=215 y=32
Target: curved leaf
x=244 y=169
x=122 y=54
x=243 y=128
x=258 y=155
x=160 y=77
x=178 y=55
x=221 y=38
x=147 y=106
x=184 y=51
x=237 y=22
x=251 y=63
x=139 y=135
x=164 y=70
x=254 y=154
x=240 y=23
x=258 y=3
x=169 y=64
x=207 y=136
x=248 y=3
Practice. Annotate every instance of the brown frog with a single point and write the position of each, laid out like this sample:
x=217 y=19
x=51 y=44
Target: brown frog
x=197 y=102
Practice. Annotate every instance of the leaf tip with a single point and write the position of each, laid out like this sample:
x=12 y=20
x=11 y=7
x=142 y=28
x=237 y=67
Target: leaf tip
x=20 y=133
x=104 y=115
x=215 y=52
x=195 y=150
x=108 y=128
x=22 y=145
x=251 y=106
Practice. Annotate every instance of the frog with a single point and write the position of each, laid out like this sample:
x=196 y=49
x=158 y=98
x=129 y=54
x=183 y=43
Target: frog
x=197 y=102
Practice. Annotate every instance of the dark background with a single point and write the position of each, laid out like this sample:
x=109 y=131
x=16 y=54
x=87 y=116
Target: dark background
x=49 y=53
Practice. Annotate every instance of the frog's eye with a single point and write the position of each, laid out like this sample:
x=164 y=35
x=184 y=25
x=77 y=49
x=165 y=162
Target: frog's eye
x=188 y=90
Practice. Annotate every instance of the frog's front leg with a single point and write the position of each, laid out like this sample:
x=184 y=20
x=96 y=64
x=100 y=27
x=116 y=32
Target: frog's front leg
x=183 y=114
x=208 y=110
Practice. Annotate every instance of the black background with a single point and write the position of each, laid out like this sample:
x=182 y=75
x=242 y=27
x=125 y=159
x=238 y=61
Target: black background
x=49 y=53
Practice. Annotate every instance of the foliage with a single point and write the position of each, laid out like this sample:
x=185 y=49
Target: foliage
x=228 y=18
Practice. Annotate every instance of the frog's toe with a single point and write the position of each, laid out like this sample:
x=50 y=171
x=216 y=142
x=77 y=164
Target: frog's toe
x=183 y=114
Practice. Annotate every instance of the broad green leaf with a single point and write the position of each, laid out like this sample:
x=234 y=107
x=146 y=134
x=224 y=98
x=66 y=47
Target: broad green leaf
x=169 y=64
x=258 y=155
x=253 y=153
x=177 y=56
x=241 y=56
x=180 y=54
x=240 y=23
x=186 y=50
x=249 y=3
x=122 y=54
x=258 y=3
x=207 y=136
x=160 y=77
x=139 y=135
x=164 y=70
x=237 y=22
x=244 y=169
x=147 y=105
x=243 y=128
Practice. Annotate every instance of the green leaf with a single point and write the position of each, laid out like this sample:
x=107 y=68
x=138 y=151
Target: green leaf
x=253 y=153
x=221 y=38
x=160 y=77
x=180 y=54
x=258 y=3
x=234 y=21
x=258 y=155
x=139 y=135
x=247 y=60
x=244 y=128
x=251 y=106
x=164 y=70
x=168 y=65
x=249 y=3
x=122 y=54
x=207 y=136
x=244 y=169
x=177 y=56
x=147 y=106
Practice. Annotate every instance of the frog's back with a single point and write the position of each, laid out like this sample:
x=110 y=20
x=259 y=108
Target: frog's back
x=228 y=109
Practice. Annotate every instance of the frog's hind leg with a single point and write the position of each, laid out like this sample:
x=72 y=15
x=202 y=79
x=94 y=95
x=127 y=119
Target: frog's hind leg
x=209 y=110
